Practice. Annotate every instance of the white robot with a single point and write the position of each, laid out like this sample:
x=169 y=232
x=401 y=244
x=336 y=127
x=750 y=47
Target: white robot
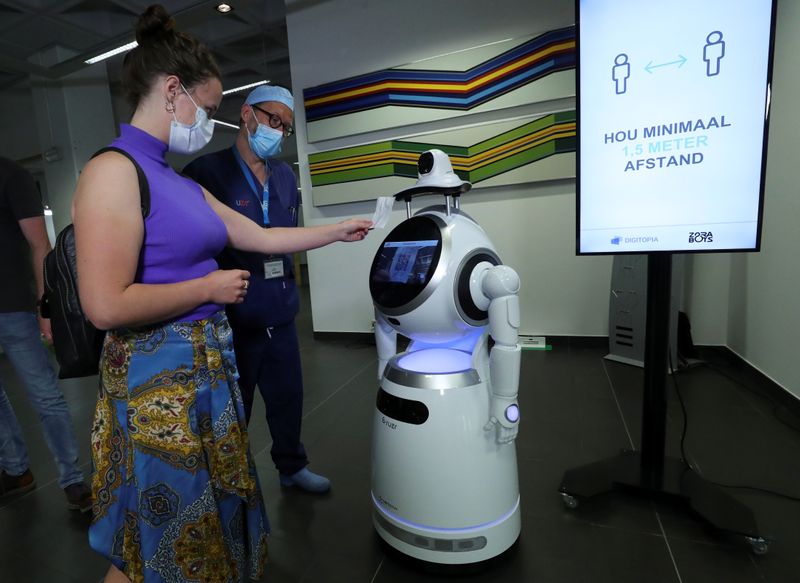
x=444 y=465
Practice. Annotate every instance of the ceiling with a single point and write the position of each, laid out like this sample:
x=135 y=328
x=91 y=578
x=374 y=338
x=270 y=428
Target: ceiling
x=249 y=43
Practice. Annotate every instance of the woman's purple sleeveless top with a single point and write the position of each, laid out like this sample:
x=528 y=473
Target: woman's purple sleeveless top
x=183 y=234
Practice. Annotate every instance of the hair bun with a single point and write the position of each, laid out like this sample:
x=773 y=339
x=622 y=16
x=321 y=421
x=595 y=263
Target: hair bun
x=163 y=51
x=154 y=25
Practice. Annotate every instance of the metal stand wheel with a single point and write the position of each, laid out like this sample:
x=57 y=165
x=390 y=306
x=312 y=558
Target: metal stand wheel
x=759 y=545
x=569 y=501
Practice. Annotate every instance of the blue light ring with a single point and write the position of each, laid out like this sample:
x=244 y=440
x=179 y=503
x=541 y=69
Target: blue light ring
x=428 y=528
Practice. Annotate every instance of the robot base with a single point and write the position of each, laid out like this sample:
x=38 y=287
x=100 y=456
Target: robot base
x=443 y=490
x=448 y=547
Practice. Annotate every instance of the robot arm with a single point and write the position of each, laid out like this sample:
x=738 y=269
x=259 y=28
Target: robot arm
x=496 y=287
x=385 y=340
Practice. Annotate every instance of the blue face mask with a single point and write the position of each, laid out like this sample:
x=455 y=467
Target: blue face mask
x=265 y=142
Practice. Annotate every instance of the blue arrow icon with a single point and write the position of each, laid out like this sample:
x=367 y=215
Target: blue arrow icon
x=650 y=66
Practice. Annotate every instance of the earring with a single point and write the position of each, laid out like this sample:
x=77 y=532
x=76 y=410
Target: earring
x=169 y=106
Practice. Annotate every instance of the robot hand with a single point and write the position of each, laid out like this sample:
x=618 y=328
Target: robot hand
x=503 y=414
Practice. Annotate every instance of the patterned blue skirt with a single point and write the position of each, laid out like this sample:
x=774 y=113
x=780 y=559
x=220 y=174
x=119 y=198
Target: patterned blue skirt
x=176 y=494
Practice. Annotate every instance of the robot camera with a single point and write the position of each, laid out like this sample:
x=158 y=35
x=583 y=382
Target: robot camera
x=436 y=171
x=425 y=163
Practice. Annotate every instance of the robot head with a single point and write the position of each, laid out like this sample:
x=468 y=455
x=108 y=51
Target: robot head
x=420 y=276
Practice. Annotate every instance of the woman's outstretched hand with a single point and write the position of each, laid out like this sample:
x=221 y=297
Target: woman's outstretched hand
x=353 y=229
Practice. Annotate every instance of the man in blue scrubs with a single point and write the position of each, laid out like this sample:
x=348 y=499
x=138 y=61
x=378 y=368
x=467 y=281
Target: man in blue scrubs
x=248 y=178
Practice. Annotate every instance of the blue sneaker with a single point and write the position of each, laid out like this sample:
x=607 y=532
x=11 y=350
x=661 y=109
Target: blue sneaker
x=306 y=480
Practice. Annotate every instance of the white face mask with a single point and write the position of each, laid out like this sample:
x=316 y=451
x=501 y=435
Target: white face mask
x=188 y=139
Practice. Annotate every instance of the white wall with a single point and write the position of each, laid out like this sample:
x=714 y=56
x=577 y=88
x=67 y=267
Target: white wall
x=764 y=313
x=533 y=226
x=707 y=290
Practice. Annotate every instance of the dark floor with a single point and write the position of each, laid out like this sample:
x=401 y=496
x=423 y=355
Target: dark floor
x=577 y=408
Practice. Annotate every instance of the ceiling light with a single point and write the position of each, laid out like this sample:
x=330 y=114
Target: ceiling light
x=243 y=87
x=224 y=123
x=223 y=8
x=111 y=53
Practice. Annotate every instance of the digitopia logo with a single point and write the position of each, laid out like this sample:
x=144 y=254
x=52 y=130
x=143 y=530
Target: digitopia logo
x=620 y=240
x=641 y=239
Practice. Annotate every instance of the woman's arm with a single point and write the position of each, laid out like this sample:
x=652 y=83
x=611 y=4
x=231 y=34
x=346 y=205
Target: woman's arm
x=109 y=230
x=246 y=235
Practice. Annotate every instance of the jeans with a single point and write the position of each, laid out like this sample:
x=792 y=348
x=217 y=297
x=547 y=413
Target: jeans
x=19 y=338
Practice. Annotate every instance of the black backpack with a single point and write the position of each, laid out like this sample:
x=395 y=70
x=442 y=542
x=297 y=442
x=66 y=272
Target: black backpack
x=76 y=341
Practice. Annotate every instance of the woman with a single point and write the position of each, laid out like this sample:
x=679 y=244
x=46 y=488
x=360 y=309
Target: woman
x=176 y=493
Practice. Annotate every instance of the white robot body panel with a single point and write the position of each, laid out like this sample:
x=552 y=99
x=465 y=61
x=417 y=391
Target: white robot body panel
x=447 y=492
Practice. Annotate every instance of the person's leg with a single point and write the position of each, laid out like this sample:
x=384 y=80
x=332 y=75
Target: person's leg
x=280 y=382
x=13 y=452
x=247 y=345
x=32 y=364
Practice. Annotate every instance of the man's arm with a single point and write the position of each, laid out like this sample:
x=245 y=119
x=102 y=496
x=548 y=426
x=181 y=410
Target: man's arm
x=35 y=232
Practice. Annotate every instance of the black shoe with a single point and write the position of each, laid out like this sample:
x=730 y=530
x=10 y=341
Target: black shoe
x=79 y=497
x=16 y=484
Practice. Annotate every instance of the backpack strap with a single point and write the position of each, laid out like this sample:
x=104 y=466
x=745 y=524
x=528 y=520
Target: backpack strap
x=144 y=186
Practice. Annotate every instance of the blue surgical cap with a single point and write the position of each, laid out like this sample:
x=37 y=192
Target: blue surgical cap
x=264 y=93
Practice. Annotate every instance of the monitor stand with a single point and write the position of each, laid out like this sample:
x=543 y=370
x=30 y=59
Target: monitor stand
x=648 y=471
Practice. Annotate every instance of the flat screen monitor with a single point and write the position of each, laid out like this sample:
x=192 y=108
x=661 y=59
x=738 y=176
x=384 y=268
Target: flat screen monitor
x=673 y=110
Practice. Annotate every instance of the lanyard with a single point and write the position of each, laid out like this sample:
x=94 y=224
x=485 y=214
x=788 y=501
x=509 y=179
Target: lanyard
x=262 y=196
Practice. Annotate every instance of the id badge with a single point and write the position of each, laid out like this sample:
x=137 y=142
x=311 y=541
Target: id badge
x=273 y=268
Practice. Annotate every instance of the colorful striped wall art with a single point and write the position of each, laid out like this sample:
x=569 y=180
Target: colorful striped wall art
x=499 y=153
x=521 y=71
